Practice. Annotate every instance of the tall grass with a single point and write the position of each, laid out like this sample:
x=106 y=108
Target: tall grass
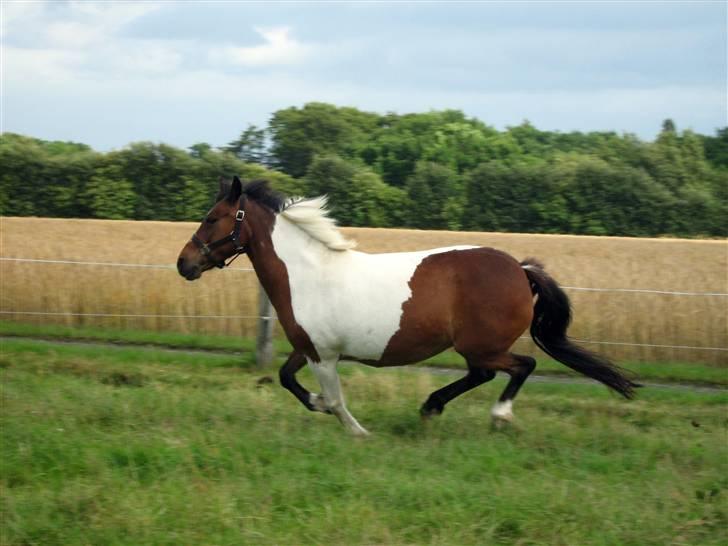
x=609 y=262
x=133 y=446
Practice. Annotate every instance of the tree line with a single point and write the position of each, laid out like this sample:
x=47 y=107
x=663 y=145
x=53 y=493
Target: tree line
x=433 y=170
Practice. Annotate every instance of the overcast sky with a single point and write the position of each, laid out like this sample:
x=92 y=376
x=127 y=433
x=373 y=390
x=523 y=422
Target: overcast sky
x=110 y=73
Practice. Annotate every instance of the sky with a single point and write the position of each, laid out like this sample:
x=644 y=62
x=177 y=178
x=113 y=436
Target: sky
x=110 y=73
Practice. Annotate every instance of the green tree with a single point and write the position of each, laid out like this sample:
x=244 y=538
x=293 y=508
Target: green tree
x=446 y=137
x=42 y=178
x=297 y=135
x=463 y=145
x=677 y=162
x=107 y=196
x=200 y=149
x=436 y=169
x=357 y=196
x=250 y=147
x=504 y=197
x=436 y=197
x=605 y=199
x=716 y=148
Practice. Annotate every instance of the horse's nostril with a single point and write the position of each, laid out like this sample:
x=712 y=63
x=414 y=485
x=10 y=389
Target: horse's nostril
x=180 y=264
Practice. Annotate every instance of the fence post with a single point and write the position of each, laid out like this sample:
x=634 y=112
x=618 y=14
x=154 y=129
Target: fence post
x=264 y=350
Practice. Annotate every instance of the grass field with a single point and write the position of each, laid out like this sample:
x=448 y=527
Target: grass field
x=602 y=262
x=131 y=445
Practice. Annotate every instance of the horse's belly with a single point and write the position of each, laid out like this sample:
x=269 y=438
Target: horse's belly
x=360 y=328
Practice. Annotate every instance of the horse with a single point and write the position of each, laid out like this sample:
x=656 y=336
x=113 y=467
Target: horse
x=335 y=303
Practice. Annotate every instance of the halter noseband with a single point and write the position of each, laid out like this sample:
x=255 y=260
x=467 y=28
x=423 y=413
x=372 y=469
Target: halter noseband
x=234 y=238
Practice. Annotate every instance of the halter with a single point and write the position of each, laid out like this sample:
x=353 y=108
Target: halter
x=234 y=237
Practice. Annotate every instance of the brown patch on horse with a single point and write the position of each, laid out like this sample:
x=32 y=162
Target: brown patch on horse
x=477 y=300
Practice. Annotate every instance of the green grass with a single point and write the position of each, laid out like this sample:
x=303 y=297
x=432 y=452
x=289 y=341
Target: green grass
x=129 y=445
x=131 y=337
x=680 y=372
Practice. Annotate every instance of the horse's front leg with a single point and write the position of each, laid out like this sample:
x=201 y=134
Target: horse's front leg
x=331 y=398
x=287 y=375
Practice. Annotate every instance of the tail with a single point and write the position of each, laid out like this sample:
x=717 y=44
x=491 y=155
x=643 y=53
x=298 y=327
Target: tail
x=552 y=315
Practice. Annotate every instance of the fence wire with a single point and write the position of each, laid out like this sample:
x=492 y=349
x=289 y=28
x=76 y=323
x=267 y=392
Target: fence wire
x=172 y=267
x=107 y=264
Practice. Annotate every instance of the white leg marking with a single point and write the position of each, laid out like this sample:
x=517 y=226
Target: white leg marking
x=502 y=411
x=333 y=398
x=318 y=402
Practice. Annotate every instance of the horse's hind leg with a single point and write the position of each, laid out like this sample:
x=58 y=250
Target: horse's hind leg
x=435 y=403
x=519 y=368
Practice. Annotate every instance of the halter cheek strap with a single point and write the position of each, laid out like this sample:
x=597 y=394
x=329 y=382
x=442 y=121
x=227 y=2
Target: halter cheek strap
x=233 y=237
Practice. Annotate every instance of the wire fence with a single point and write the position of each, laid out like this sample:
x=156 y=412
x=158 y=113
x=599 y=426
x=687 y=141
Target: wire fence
x=107 y=264
x=172 y=267
x=266 y=318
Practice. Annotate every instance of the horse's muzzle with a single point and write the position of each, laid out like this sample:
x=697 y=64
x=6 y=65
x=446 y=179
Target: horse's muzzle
x=187 y=270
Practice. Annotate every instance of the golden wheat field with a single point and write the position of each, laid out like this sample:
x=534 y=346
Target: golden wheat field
x=208 y=304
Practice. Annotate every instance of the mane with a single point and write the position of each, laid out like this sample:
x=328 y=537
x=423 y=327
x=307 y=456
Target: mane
x=312 y=217
x=261 y=192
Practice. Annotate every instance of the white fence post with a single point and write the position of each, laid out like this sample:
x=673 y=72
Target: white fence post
x=264 y=350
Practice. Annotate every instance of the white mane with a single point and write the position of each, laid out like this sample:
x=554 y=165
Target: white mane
x=312 y=217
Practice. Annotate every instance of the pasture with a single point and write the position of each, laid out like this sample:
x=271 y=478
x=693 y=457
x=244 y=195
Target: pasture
x=123 y=445
x=578 y=261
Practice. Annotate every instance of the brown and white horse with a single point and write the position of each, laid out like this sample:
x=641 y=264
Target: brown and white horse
x=387 y=309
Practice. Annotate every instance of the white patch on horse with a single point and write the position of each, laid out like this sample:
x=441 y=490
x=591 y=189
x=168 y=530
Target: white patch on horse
x=531 y=267
x=348 y=302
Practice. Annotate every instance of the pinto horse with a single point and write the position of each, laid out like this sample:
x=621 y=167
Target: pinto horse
x=390 y=309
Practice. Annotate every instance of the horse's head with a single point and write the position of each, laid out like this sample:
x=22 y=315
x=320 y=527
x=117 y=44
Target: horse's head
x=223 y=234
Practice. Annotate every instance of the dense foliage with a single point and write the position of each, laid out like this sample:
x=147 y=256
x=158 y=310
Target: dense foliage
x=436 y=170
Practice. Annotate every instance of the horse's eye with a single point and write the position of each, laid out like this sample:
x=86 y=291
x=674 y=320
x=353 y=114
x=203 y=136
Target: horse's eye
x=210 y=220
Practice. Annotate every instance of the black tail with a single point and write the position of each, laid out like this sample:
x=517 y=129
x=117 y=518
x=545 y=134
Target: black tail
x=552 y=315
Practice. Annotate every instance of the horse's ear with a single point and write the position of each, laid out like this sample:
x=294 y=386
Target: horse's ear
x=236 y=190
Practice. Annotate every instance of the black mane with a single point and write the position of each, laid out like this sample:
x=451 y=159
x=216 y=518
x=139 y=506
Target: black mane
x=257 y=190
x=261 y=192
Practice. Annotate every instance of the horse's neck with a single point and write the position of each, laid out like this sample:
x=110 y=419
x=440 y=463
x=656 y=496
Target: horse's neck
x=285 y=251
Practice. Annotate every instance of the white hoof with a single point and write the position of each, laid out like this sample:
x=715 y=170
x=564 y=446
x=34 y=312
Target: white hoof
x=360 y=432
x=319 y=403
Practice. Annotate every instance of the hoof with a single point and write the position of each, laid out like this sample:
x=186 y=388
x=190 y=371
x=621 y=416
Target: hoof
x=318 y=403
x=506 y=426
x=502 y=414
x=360 y=432
x=502 y=422
x=427 y=413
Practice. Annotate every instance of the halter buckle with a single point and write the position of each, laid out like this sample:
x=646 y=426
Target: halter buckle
x=240 y=215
